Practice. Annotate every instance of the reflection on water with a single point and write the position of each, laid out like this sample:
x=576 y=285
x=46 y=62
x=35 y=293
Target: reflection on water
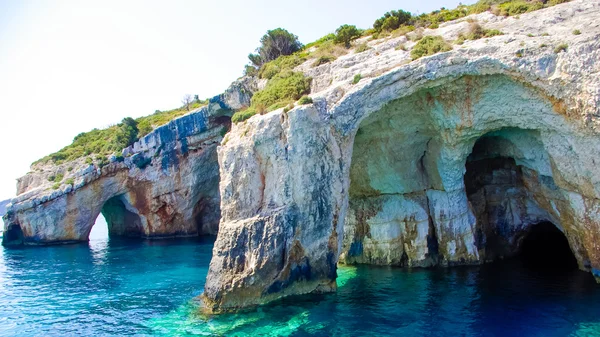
x=124 y=287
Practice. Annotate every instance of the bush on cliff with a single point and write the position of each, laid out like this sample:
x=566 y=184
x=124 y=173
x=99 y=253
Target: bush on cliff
x=286 y=86
x=346 y=33
x=283 y=89
x=476 y=32
x=286 y=62
x=429 y=45
x=114 y=139
x=392 y=20
x=275 y=43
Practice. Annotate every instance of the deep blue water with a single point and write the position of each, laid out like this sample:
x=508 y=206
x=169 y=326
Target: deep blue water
x=115 y=287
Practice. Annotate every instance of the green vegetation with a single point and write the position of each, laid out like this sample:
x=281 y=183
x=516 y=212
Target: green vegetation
x=56 y=186
x=561 y=47
x=275 y=43
x=392 y=20
x=477 y=32
x=286 y=86
x=70 y=181
x=346 y=34
x=58 y=178
x=286 y=62
x=361 y=48
x=321 y=41
x=576 y=32
x=103 y=142
x=242 y=115
x=323 y=59
x=429 y=45
x=305 y=100
x=356 y=78
x=281 y=90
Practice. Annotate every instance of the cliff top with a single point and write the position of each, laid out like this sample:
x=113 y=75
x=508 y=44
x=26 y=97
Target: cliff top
x=536 y=44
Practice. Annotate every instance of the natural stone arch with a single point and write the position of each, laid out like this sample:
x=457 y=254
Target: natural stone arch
x=122 y=218
x=287 y=177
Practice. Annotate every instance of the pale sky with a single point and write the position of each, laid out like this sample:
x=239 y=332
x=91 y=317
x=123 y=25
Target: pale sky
x=71 y=66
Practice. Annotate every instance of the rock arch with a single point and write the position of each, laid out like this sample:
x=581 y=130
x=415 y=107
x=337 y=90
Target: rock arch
x=122 y=218
x=154 y=192
x=381 y=180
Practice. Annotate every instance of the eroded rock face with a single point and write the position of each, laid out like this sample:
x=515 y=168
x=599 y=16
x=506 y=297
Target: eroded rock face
x=166 y=186
x=375 y=172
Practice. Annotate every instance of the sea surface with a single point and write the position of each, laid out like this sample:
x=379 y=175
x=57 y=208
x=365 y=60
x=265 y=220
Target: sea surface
x=114 y=287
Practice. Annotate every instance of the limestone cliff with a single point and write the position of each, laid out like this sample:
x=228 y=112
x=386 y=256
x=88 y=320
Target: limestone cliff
x=165 y=186
x=446 y=160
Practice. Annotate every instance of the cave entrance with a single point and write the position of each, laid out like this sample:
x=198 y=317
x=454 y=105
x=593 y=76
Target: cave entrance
x=510 y=223
x=546 y=247
x=120 y=219
x=13 y=235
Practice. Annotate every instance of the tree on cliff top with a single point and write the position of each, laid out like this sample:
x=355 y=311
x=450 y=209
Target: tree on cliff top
x=127 y=134
x=275 y=43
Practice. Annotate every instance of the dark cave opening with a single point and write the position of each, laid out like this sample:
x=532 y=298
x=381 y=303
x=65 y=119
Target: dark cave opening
x=546 y=247
x=121 y=220
x=14 y=235
x=510 y=224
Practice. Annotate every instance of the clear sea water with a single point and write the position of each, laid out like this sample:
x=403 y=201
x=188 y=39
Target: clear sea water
x=115 y=287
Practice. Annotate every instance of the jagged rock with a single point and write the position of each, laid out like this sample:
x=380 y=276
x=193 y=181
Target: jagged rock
x=375 y=172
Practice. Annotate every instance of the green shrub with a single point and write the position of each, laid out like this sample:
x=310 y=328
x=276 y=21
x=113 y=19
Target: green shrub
x=250 y=70
x=56 y=186
x=330 y=49
x=403 y=30
x=273 y=44
x=429 y=45
x=241 y=116
x=319 y=42
x=392 y=20
x=89 y=160
x=346 y=33
x=59 y=177
x=356 y=78
x=286 y=86
x=70 y=181
x=556 y=2
x=476 y=32
x=434 y=25
x=561 y=47
x=305 y=100
x=288 y=62
x=576 y=32
x=362 y=48
x=323 y=59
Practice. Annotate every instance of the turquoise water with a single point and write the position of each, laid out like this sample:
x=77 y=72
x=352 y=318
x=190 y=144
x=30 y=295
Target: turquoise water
x=115 y=287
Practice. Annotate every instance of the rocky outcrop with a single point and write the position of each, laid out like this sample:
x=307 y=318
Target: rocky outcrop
x=166 y=185
x=446 y=160
x=3 y=206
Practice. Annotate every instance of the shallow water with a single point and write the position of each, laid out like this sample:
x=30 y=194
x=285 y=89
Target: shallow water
x=116 y=287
